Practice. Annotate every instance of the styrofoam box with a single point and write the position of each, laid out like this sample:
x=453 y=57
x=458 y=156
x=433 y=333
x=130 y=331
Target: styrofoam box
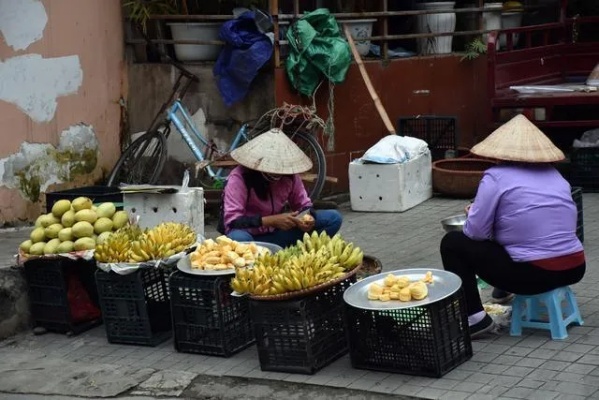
x=185 y=207
x=390 y=187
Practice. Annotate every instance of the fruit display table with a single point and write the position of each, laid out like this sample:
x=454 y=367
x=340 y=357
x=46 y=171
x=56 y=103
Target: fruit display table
x=206 y=318
x=427 y=337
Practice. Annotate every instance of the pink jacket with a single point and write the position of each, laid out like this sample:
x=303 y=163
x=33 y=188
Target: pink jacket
x=237 y=203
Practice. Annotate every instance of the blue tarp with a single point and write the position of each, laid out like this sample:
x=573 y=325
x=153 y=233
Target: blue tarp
x=245 y=52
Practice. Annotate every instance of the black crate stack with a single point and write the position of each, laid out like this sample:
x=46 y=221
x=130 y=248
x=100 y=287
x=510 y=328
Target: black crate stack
x=301 y=336
x=427 y=341
x=584 y=168
x=439 y=132
x=136 y=306
x=206 y=318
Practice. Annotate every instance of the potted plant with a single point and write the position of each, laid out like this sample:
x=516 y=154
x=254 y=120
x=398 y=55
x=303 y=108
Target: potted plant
x=436 y=23
x=359 y=28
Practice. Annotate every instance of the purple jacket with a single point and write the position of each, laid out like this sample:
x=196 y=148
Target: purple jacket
x=237 y=203
x=528 y=209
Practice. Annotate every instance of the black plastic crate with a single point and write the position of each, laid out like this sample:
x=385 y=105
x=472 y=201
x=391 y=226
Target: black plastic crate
x=428 y=341
x=98 y=194
x=48 y=283
x=577 y=197
x=301 y=336
x=584 y=168
x=439 y=132
x=136 y=307
x=206 y=318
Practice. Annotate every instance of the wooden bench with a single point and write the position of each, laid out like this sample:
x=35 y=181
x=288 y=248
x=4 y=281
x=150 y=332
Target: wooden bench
x=546 y=55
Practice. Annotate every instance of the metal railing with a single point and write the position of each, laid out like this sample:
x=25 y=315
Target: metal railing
x=382 y=17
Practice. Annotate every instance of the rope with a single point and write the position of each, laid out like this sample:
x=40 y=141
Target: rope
x=289 y=114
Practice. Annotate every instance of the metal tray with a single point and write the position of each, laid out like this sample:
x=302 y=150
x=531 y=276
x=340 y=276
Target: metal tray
x=444 y=284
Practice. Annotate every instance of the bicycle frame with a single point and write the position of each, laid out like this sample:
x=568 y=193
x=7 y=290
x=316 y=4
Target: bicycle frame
x=184 y=125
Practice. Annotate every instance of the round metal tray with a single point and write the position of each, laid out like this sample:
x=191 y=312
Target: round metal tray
x=444 y=284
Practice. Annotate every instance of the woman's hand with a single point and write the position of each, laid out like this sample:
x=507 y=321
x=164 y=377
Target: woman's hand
x=282 y=222
x=306 y=223
x=467 y=208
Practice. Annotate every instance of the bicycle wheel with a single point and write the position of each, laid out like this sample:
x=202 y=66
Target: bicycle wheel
x=315 y=179
x=142 y=161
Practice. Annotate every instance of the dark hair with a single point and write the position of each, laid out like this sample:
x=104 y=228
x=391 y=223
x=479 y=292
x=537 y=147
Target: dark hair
x=255 y=180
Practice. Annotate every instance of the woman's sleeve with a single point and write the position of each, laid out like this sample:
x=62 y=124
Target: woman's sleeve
x=481 y=217
x=298 y=199
x=234 y=206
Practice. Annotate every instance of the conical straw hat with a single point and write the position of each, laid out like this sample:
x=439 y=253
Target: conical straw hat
x=272 y=152
x=519 y=140
x=593 y=79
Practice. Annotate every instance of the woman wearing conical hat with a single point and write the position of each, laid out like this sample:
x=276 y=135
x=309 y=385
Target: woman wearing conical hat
x=259 y=189
x=520 y=234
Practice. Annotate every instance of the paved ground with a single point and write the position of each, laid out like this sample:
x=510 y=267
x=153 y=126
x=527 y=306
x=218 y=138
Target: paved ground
x=529 y=367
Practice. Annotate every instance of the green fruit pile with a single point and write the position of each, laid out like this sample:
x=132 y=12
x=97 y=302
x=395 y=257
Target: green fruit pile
x=73 y=226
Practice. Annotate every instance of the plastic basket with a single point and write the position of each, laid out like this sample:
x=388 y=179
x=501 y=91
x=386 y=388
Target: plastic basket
x=135 y=307
x=98 y=194
x=206 y=319
x=427 y=341
x=47 y=282
x=577 y=197
x=584 y=168
x=301 y=336
x=439 y=132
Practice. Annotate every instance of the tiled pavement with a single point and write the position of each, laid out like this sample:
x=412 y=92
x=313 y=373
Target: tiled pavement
x=529 y=367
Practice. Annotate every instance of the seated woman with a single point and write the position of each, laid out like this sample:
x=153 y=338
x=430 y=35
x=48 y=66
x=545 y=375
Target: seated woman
x=258 y=191
x=520 y=235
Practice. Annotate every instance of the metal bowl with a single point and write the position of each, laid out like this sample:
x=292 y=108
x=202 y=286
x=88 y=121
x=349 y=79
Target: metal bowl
x=455 y=223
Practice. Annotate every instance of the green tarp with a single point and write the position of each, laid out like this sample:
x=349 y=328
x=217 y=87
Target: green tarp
x=318 y=50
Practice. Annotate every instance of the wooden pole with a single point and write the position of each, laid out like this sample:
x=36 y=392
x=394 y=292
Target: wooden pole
x=375 y=97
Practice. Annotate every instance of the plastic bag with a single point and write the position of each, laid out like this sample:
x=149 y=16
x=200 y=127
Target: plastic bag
x=394 y=149
x=245 y=52
x=588 y=139
x=80 y=304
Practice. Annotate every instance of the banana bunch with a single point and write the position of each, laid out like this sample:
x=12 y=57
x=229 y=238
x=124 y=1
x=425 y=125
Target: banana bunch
x=348 y=255
x=132 y=244
x=269 y=276
x=162 y=241
x=179 y=236
x=116 y=248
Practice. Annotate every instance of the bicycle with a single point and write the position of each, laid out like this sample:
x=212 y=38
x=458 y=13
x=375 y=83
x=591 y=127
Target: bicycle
x=143 y=160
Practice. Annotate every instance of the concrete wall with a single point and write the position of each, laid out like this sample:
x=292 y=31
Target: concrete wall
x=150 y=86
x=61 y=63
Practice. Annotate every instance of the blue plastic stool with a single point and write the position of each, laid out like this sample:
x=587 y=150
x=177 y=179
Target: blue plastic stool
x=544 y=311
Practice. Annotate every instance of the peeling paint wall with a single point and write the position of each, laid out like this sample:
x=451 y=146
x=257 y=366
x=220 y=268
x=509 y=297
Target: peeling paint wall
x=62 y=76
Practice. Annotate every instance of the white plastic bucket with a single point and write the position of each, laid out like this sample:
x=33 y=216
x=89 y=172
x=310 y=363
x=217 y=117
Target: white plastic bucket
x=436 y=23
x=196 y=31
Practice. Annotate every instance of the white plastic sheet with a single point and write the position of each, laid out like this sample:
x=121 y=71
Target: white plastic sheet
x=394 y=149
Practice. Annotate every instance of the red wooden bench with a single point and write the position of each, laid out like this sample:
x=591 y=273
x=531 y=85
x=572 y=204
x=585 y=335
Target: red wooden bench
x=546 y=55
